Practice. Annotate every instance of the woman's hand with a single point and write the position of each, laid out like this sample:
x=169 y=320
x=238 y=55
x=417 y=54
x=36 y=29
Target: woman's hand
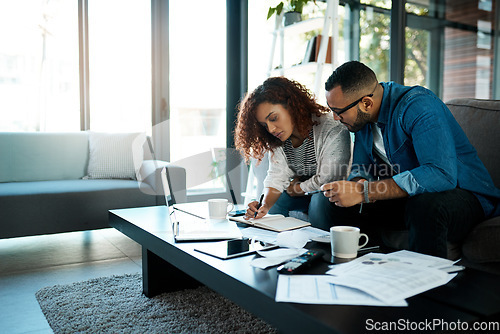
x=252 y=209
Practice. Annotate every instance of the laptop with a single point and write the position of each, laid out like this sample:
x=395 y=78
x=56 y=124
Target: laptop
x=193 y=228
x=166 y=191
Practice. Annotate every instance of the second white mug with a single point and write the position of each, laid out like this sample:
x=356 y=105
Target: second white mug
x=218 y=208
x=345 y=241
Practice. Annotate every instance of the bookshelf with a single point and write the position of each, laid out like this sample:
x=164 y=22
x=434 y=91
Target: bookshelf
x=316 y=65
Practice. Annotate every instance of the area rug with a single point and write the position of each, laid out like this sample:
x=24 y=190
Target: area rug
x=116 y=305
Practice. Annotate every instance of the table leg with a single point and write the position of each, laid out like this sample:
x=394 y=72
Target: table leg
x=159 y=276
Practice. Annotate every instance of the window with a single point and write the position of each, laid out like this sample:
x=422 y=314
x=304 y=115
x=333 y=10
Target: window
x=375 y=42
x=39 y=87
x=197 y=47
x=416 y=57
x=378 y=3
x=120 y=65
x=298 y=46
x=259 y=42
x=469 y=51
x=39 y=65
x=450 y=45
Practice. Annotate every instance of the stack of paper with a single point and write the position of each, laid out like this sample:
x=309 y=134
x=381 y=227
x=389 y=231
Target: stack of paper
x=318 y=289
x=272 y=236
x=373 y=279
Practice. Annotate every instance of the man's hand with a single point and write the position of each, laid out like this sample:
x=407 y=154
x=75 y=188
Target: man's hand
x=349 y=193
x=344 y=193
x=294 y=188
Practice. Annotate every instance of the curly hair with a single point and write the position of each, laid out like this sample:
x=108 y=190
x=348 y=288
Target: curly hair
x=250 y=137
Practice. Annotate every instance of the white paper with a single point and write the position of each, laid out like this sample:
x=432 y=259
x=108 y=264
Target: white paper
x=275 y=257
x=207 y=229
x=399 y=256
x=318 y=289
x=271 y=236
x=292 y=239
x=344 y=268
x=260 y=234
x=390 y=281
x=314 y=232
x=422 y=259
x=282 y=252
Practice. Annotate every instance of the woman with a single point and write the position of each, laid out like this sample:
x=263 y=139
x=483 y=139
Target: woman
x=308 y=148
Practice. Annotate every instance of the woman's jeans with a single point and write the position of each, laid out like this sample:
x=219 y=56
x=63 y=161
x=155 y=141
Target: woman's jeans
x=317 y=206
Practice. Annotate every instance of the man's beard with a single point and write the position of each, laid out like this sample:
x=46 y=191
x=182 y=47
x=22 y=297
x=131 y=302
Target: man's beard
x=362 y=119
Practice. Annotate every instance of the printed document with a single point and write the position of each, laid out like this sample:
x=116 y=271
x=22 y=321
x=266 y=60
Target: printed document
x=387 y=277
x=318 y=289
x=272 y=236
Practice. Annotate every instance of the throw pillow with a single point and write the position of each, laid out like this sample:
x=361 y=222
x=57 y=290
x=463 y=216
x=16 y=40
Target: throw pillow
x=115 y=155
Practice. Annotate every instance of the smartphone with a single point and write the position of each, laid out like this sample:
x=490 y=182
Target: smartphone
x=237 y=213
x=232 y=248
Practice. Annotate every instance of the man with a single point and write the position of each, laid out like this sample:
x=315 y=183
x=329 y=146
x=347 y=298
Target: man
x=411 y=160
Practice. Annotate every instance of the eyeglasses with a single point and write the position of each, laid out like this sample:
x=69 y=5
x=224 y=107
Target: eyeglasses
x=339 y=111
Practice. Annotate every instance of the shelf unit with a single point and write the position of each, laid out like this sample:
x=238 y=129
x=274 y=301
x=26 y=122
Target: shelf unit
x=329 y=22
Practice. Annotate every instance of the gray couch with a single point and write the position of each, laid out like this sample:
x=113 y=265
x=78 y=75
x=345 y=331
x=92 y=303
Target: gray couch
x=42 y=189
x=480 y=120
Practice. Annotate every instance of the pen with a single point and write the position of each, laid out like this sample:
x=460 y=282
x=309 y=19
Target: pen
x=369 y=249
x=313 y=192
x=175 y=228
x=175 y=223
x=258 y=206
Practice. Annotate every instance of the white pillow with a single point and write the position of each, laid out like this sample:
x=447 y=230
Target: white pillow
x=115 y=155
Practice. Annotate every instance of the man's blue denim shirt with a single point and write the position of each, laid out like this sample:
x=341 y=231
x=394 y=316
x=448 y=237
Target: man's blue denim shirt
x=427 y=148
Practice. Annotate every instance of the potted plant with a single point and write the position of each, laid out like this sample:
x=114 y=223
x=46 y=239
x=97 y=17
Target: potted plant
x=293 y=10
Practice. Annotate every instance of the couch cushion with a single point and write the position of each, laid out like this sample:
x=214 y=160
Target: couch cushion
x=115 y=155
x=483 y=243
x=399 y=240
x=33 y=208
x=479 y=119
x=38 y=156
x=68 y=187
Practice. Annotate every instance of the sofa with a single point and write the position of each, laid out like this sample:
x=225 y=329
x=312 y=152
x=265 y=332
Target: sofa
x=61 y=182
x=480 y=120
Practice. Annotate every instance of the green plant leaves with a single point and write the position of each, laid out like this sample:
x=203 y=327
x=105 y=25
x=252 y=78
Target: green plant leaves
x=276 y=10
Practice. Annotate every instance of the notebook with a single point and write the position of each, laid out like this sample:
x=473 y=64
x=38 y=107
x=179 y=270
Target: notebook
x=277 y=223
x=192 y=228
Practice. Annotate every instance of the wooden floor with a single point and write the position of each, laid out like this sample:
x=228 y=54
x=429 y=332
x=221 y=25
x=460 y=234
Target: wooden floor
x=30 y=263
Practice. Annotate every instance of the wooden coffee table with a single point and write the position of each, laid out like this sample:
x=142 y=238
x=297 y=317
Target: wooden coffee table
x=169 y=266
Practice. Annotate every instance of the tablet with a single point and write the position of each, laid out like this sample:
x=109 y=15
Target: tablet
x=233 y=248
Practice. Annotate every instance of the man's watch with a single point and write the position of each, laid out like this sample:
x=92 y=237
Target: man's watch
x=365 y=190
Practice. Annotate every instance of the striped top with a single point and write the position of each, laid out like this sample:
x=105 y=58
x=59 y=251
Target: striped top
x=302 y=159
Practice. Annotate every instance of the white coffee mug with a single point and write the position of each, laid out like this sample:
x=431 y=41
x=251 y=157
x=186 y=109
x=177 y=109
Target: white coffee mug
x=218 y=208
x=345 y=241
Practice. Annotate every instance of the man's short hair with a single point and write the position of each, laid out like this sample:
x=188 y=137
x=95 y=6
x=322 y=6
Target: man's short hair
x=352 y=77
